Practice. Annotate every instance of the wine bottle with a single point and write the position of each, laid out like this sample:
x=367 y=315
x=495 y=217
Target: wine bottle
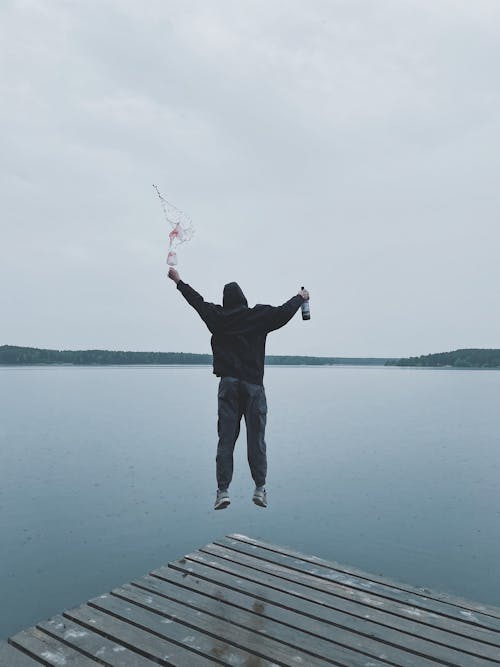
x=306 y=311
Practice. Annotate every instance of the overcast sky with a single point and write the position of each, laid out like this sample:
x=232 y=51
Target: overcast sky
x=351 y=146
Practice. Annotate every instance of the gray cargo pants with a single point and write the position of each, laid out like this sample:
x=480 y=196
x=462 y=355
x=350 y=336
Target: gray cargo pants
x=238 y=398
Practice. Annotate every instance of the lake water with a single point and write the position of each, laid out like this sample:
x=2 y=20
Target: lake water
x=108 y=472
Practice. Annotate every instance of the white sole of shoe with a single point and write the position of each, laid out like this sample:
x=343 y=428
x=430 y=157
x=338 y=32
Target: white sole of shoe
x=260 y=502
x=222 y=504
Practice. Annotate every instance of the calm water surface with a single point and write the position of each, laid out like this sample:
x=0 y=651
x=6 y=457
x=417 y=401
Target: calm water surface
x=108 y=472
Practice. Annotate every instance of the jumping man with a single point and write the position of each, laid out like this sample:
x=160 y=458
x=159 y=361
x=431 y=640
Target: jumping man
x=238 y=345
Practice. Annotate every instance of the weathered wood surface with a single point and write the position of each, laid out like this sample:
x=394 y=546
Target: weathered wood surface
x=240 y=601
x=14 y=658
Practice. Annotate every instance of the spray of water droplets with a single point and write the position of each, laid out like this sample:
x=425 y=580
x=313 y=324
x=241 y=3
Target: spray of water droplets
x=181 y=224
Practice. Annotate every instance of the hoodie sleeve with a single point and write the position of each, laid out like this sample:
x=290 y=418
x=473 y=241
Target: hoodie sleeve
x=208 y=312
x=276 y=317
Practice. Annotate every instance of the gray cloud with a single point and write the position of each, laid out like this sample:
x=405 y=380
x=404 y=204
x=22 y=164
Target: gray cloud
x=349 y=146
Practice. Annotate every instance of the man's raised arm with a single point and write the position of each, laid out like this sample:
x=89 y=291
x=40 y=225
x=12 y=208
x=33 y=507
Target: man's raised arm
x=207 y=311
x=278 y=316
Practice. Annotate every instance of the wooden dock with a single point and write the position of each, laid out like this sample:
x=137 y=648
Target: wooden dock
x=240 y=601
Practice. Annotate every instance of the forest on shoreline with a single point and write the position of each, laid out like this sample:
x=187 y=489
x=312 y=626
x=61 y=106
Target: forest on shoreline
x=467 y=358
x=13 y=355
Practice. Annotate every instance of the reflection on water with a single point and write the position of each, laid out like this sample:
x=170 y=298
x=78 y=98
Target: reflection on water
x=107 y=473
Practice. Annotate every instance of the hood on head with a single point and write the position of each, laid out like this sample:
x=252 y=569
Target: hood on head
x=233 y=296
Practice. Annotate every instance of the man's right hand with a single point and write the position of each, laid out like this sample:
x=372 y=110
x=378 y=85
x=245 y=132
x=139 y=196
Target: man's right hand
x=173 y=274
x=304 y=294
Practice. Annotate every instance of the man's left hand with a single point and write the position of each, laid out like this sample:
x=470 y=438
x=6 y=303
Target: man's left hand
x=173 y=274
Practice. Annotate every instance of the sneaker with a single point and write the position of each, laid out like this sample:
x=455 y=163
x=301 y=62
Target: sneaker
x=259 y=496
x=222 y=500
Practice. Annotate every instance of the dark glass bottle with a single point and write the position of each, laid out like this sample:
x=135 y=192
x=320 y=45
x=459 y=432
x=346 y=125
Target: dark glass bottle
x=306 y=311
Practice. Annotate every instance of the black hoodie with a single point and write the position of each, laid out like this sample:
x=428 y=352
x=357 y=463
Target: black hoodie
x=239 y=332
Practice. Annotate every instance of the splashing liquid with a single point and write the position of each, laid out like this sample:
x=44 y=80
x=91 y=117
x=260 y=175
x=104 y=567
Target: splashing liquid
x=182 y=227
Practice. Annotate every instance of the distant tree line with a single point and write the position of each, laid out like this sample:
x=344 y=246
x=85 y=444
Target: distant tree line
x=10 y=354
x=15 y=355
x=469 y=358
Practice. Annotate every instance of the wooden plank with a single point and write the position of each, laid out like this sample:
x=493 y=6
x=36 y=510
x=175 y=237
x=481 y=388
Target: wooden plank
x=283 y=608
x=397 y=607
x=12 y=657
x=326 y=593
x=384 y=591
x=243 y=644
x=158 y=647
x=352 y=571
x=92 y=644
x=309 y=606
x=49 y=651
x=161 y=593
x=286 y=626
